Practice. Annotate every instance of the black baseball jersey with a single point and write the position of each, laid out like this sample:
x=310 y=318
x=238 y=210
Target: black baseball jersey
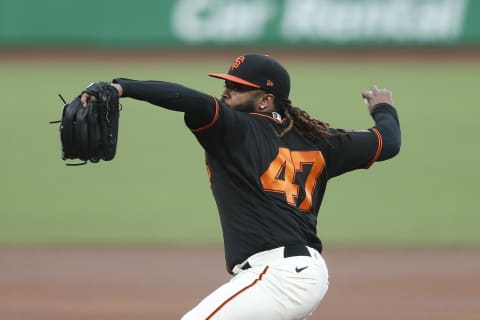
x=268 y=190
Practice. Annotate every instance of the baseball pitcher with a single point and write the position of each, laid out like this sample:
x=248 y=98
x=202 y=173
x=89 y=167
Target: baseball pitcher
x=268 y=163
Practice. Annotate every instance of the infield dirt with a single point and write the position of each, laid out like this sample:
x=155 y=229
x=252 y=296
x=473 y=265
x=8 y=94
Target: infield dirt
x=164 y=283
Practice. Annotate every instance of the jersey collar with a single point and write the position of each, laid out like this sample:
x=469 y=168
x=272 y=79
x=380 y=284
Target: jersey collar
x=275 y=116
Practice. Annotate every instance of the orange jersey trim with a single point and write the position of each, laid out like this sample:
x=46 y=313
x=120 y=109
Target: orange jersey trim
x=268 y=117
x=379 y=148
x=215 y=118
x=238 y=293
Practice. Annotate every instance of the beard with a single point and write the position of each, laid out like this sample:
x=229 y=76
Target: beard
x=248 y=106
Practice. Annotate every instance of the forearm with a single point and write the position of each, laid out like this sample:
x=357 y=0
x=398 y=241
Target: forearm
x=200 y=108
x=387 y=123
x=164 y=94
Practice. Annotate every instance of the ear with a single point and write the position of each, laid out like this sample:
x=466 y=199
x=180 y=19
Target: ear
x=266 y=102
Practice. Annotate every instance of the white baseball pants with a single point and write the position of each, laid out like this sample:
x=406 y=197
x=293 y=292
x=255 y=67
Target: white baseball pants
x=272 y=288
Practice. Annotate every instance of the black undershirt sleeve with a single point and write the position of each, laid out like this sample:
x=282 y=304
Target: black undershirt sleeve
x=387 y=123
x=199 y=108
x=355 y=149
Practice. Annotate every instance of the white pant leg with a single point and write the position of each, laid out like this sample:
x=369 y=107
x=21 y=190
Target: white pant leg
x=235 y=299
x=268 y=291
x=303 y=284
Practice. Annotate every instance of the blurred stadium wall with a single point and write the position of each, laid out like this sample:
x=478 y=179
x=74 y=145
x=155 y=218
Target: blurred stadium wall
x=153 y=24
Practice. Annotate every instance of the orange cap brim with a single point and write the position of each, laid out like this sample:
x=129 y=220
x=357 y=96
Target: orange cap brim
x=234 y=79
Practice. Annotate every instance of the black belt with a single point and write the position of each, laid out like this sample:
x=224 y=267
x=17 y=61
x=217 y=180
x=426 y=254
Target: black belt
x=288 y=251
x=295 y=251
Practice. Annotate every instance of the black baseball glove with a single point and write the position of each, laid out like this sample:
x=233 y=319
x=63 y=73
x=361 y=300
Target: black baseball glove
x=90 y=133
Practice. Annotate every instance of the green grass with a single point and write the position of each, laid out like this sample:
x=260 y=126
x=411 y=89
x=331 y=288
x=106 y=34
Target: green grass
x=156 y=190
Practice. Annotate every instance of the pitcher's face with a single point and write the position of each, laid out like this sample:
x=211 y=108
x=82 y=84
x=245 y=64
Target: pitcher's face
x=241 y=98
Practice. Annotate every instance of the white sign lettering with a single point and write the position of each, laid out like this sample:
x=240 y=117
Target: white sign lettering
x=394 y=20
x=296 y=21
x=221 y=20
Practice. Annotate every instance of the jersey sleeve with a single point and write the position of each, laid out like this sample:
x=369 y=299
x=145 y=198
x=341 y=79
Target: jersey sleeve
x=357 y=149
x=225 y=133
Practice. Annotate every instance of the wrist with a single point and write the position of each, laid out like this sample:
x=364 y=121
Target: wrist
x=380 y=106
x=118 y=87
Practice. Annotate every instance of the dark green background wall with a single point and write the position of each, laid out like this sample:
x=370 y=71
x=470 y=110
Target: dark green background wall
x=170 y=23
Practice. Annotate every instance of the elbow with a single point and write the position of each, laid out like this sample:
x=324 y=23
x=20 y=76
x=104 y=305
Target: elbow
x=391 y=140
x=395 y=148
x=390 y=150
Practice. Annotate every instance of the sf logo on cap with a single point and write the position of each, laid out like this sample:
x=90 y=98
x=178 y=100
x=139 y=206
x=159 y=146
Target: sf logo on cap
x=238 y=62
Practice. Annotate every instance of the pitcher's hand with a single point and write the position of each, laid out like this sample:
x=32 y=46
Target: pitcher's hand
x=85 y=97
x=375 y=96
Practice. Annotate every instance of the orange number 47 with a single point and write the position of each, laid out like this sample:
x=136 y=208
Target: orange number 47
x=291 y=162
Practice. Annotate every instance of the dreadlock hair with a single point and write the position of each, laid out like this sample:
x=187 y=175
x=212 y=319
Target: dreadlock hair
x=300 y=120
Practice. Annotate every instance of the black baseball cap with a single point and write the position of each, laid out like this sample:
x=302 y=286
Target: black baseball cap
x=258 y=71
